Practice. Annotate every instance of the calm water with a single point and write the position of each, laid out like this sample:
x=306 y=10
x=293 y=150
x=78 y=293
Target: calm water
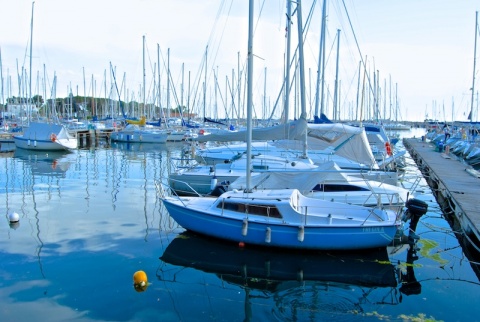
x=91 y=218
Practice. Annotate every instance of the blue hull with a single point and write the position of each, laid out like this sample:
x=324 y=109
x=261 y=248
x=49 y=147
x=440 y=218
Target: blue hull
x=282 y=235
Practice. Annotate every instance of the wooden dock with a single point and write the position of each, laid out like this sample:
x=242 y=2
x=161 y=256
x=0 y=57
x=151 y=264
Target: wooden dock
x=455 y=185
x=88 y=138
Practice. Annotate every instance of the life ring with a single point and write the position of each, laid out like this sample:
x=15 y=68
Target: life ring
x=388 y=147
x=53 y=137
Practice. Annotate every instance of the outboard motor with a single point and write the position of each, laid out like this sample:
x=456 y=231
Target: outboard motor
x=415 y=209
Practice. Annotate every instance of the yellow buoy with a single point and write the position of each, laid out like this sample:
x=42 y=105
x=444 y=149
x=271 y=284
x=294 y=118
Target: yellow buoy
x=140 y=281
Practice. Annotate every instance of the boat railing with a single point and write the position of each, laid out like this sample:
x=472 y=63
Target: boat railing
x=393 y=198
x=372 y=213
x=164 y=190
x=180 y=164
x=190 y=192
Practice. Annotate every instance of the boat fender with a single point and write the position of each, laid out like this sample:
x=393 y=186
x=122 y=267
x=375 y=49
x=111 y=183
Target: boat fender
x=53 y=137
x=245 y=227
x=388 y=147
x=300 y=275
x=301 y=234
x=268 y=235
x=213 y=183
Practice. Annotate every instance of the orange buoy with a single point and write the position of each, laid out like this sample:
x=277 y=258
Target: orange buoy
x=53 y=137
x=241 y=244
x=140 y=281
x=201 y=132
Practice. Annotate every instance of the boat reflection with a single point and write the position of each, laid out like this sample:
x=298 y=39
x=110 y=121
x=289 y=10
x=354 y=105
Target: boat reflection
x=6 y=147
x=146 y=147
x=288 y=280
x=45 y=163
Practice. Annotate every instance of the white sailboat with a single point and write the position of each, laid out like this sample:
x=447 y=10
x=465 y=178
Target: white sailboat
x=135 y=134
x=43 y=135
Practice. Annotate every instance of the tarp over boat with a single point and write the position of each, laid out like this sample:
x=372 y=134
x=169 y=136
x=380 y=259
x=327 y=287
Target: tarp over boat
x=45 y=136
x=293 y=130
x=335 y=138
x=301 y=180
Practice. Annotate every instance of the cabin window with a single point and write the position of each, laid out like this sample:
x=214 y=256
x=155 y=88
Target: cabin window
x=261 y=210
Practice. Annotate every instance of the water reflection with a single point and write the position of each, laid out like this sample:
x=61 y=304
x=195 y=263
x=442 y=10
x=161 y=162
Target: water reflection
x=147 y=147
x=296 y=284
x=83 y=235
x=49 y=163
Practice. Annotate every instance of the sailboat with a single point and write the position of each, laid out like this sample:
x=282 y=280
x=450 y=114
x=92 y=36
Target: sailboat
x=46 y=137
x=281 y=217
x=43 y=136
x=133 y=133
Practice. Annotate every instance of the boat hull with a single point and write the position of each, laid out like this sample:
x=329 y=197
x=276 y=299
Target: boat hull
x=278 y=234
x=45 y=145
x=139 y=137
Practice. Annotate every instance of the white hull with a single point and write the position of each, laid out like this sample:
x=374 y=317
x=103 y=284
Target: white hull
x=132 y=133
x=45 y=137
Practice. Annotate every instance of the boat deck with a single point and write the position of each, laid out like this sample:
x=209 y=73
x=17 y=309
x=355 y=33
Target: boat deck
x=454 y=184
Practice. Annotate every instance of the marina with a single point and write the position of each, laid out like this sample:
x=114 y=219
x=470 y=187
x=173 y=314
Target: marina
x=91 y=218
x=227 y=195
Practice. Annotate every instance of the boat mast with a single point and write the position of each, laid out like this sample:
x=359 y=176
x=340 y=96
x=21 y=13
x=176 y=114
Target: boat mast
x=159 y=89
x=303 y=101
x=1 y=81
x=336 y=112
x=287 y=62
x=144 y=81
x=474 y=66
x=205 y=86
x=168 y=84
x=249 y=93
x=321 y=74
x=30 y=74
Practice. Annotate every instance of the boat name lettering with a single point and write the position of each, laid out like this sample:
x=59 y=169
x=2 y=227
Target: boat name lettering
x=373 y=229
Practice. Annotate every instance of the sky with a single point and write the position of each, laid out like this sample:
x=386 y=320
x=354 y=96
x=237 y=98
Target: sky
x=420 y=51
